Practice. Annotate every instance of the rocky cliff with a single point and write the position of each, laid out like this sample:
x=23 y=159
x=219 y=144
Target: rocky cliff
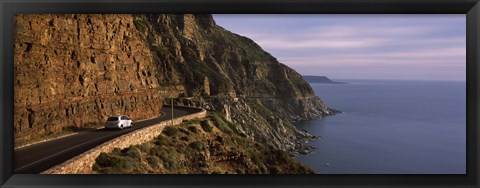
x=74 y=69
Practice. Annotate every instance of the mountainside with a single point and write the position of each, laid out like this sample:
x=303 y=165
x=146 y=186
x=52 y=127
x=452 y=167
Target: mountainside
x=72 y=70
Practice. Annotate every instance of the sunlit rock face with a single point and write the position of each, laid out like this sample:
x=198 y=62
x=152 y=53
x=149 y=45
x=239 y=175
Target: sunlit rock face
x=71 y=70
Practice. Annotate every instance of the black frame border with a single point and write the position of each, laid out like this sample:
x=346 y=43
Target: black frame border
x=8 y=8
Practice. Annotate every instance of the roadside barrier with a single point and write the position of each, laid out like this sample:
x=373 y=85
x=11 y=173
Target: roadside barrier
x=82 y=164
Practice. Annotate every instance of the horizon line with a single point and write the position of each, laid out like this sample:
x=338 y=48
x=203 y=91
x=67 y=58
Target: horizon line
x=388 y=79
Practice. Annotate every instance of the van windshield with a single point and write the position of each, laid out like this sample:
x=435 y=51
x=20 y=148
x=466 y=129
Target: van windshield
x=112 y=119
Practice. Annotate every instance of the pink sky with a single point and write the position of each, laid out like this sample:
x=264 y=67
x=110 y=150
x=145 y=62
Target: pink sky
x=405 y=47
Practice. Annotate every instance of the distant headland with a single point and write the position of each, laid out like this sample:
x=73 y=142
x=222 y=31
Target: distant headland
x=320 y=79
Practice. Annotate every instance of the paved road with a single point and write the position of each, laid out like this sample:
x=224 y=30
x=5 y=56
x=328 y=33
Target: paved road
x=39 y=157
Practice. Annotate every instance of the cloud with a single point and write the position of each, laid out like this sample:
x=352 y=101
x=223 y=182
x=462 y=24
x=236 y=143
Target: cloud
x=320 y=43
x=370 y=30
x=373 y=44
x=353 y=43
x=447 y=57
x=350 y=38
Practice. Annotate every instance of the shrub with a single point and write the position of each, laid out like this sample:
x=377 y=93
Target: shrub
x=224 y=128
x=275 y=170
x=240 y=140
x=95 y=167
x=104 y=160
x=153 y=161
x=232 y=128
x=263 y=169
x=154 y=151
x=133 y=152
x=285 y=155
x=131 y=165
x=181 y=149
x=145 y=147
x=193 y=129
x=223 y=125
x=281 y=156
x=197 y=145
x=116 y=151
x=206 y=126
x=169 y=161
x=256 y=160
x=161 y=140
x=170 y=131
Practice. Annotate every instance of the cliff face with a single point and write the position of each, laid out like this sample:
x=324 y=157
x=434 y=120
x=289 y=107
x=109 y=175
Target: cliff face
x=74 y=69
x=191 y=48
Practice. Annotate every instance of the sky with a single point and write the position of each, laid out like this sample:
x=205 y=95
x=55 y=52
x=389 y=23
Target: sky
x=393 y=47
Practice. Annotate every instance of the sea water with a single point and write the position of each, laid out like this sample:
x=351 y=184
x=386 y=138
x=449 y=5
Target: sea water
x=390 y=127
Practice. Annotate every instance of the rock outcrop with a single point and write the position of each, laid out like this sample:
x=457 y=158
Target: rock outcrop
x=74 y=69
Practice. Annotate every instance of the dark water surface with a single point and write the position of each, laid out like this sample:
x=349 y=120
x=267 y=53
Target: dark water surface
x=390 y=127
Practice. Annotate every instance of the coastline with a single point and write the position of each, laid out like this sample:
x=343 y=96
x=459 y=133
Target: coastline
x=301 y=147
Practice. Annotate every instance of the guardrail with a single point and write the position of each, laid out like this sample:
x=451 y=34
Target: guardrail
x=82 y=164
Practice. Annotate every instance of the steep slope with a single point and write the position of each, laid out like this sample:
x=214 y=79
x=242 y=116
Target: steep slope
x=74 y=70
x=199 y=147
x=230 y=73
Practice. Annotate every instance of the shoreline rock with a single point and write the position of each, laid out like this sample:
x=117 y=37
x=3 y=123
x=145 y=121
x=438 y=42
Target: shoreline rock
x=301 y=146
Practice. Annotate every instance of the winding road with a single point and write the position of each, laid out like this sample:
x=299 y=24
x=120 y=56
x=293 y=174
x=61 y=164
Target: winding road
x=39 y=157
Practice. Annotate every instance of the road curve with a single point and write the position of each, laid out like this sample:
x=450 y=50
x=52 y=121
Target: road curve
x=39 y=157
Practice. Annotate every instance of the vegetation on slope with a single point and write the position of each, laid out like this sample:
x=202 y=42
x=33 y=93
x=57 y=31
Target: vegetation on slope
x=209 y=146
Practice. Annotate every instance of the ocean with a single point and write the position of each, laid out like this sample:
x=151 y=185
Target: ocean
x=390 y=127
